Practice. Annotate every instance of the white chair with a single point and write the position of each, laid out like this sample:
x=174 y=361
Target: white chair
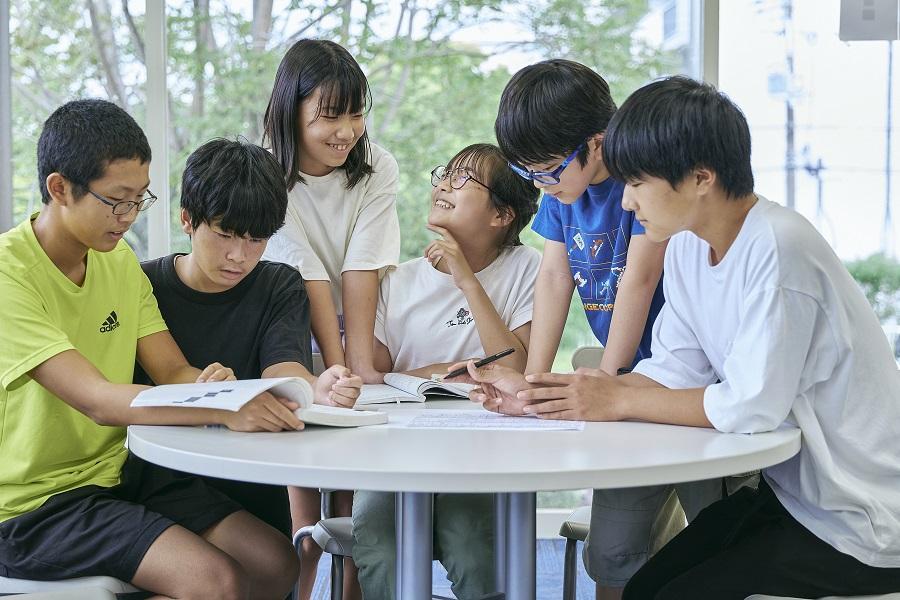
x=67 y=587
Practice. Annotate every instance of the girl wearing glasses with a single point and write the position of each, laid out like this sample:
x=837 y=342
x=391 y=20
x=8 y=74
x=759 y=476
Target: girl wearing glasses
x=341 y=229
x=469 y=295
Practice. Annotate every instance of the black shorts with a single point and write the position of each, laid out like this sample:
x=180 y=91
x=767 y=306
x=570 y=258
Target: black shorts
x=94 y=530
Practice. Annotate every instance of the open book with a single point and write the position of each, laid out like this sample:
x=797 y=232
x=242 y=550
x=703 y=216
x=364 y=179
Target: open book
x=232 y=395
x=398 y=387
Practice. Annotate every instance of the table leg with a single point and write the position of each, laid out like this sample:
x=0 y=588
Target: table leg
x=521 y=567
x=414 y=545
x=501 y=509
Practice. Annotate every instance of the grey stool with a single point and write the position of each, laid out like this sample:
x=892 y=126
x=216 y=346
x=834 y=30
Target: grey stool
x=85 y=587
x=574 y=529
x=335 y=536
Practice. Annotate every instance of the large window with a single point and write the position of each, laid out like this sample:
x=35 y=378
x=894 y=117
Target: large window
x=62 y=50
x=436 y=68
x=820 y=112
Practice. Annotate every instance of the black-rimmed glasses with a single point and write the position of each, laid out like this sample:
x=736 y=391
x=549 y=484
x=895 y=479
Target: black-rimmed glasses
x=458 y=177
x=123 y=207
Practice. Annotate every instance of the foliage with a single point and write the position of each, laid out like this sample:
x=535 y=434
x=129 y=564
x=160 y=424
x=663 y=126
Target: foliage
x=879 y=277
x=432 y=94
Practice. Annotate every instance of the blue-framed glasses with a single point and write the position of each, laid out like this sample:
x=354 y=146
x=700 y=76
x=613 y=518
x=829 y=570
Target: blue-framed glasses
x=548 y=177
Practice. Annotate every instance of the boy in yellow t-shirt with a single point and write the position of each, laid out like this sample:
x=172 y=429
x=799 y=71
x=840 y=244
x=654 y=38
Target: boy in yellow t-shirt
x=77 y=312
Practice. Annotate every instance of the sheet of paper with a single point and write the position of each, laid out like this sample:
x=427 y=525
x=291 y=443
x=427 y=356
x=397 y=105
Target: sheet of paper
x=482 y=419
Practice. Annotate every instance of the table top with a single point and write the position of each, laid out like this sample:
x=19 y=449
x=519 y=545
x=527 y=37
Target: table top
x=394 y=458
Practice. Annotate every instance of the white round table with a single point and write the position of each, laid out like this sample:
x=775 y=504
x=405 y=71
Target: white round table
x=416 y=463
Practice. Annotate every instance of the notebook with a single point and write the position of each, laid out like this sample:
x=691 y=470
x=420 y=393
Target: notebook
x=232 y=395
x=398 y=387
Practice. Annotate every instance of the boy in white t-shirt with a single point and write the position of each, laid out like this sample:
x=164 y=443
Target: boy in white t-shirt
x=763 y=327
x=470 y=295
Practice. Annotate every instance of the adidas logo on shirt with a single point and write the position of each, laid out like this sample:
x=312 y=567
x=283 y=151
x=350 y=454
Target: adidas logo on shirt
x=111 y=322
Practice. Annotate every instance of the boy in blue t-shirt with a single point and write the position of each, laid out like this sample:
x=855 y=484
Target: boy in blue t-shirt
x=550 y=125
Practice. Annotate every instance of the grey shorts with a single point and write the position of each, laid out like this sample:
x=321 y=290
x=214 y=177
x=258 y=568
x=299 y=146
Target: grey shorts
x=629 y=525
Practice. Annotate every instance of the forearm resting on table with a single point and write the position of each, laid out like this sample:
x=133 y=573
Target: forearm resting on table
x=72 y=378
x=658 y=404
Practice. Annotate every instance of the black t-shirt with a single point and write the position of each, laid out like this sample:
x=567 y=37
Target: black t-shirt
x=262 y=321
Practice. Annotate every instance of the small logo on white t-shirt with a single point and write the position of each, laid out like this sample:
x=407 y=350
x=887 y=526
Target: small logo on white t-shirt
x=463 y=317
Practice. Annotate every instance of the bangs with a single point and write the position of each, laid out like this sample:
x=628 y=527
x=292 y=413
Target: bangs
x=347 y=92
x=248 y=213
x=481 y=160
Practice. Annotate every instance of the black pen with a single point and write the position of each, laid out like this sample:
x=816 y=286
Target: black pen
x=480 y=363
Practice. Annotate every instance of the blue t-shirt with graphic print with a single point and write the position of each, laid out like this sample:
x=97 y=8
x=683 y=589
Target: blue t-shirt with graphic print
x=596 y=231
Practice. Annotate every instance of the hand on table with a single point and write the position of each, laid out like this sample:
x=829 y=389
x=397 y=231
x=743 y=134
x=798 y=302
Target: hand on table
x=337 y=386
x=499 y=387
x=585 y=395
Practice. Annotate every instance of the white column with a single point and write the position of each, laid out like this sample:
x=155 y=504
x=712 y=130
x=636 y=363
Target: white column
x=157 y=127
x=6 y=201
x=709 y=42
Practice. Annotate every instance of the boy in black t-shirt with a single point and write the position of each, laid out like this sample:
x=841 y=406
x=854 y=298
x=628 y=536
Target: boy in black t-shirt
x=221 y=300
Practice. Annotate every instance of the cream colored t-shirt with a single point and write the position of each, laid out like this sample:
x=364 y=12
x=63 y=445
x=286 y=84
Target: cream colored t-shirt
x=423 y=318
x=48 y=447
x=330 y=229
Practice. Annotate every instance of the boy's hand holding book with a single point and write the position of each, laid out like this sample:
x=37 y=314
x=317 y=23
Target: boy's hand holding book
x=337 y=386
x=265 y=412
x=448 y=249
x=216 y=372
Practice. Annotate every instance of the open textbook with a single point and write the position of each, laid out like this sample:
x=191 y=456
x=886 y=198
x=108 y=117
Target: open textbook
x=232 y=395
x=398 y=387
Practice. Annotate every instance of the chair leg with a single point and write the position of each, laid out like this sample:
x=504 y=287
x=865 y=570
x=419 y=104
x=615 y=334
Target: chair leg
x=570 y=570
x=337 y=577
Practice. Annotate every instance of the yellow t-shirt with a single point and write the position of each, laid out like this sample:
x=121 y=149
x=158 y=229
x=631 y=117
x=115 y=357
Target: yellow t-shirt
x=48 y=447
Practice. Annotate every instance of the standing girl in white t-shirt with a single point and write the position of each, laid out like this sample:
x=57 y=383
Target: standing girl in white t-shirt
x=341 y=227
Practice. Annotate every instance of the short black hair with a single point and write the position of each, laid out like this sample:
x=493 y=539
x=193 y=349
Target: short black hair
x=238 y=183
x=674 y=125
x=509 y=193
x=307 y=66
x=81 y=138
x=549 y=108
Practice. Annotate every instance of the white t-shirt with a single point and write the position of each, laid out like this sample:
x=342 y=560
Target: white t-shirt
x=330 y=229
x=790 y=336
x=423 y=318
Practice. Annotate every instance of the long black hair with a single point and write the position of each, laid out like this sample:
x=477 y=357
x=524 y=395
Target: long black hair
x=310 y=65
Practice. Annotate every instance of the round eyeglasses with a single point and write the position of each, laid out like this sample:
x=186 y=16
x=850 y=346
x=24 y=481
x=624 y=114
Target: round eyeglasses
x=458 y=177
x=123 y=207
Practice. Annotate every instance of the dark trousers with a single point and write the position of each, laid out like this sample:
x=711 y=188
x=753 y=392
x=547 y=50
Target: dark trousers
x=749 y=544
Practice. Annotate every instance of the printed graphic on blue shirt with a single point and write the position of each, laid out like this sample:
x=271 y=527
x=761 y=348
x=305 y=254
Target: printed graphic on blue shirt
x=597 y=261
x=596 y=232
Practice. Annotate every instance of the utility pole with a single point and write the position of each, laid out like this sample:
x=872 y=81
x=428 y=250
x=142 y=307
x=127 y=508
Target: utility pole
x=790 y=165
